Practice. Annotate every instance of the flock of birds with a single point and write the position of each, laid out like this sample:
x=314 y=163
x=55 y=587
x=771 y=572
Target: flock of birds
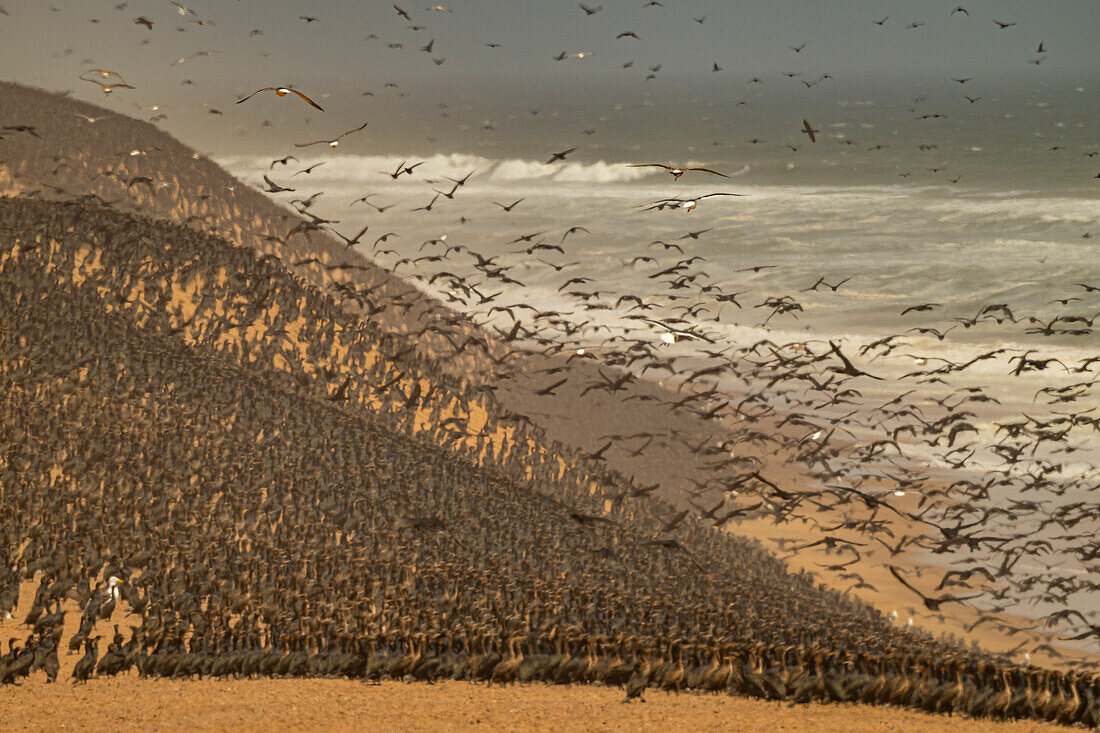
x=253 y=542
x=242 y=550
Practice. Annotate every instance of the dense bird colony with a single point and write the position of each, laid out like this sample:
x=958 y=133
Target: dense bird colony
x=242 y=428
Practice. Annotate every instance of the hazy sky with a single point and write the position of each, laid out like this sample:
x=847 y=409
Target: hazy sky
x=336 y=59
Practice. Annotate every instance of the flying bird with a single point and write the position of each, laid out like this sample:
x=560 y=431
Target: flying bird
x=510 y=206
x=334 y=141
x=676 y=172
x=282 y=92
x=672 y=335
x=932 y=604
x=559 y=156
x=273 y=187
x=108 y=87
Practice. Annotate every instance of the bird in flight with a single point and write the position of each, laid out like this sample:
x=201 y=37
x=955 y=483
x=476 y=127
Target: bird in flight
x=282 y=92
x=1003 y=25
x=107 y=87
x=510 y=206
x=932 y=604
x=810 y=131
x=273 y=187
x=672 y=335
x=685 y=204
x=676 y=172
x=334 y=141
x=590 y=11
x=559 y=156
x=282 y=161
x=104 y=74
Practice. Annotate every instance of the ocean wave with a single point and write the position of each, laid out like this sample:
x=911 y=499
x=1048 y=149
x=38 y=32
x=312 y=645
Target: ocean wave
x=352 y=169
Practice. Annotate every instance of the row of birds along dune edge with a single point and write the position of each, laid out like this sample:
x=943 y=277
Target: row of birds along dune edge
x=268 y=332
x=254 y=543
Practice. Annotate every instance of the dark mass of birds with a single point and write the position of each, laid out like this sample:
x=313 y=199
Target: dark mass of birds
x=237 y=426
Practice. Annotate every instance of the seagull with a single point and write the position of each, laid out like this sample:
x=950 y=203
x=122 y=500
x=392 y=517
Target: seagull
x=674 y=334
x=333 y=142
x=282 y=92
x=685 y=204
x=108 y=87
x=676 y=172
x=104 y=73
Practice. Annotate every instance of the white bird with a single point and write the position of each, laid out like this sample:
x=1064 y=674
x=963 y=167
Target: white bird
x=282 y=92
x=333 y=142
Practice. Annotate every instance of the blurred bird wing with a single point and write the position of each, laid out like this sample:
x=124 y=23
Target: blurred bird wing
x=309 y=101
x=707 y=170
x=253 y=94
